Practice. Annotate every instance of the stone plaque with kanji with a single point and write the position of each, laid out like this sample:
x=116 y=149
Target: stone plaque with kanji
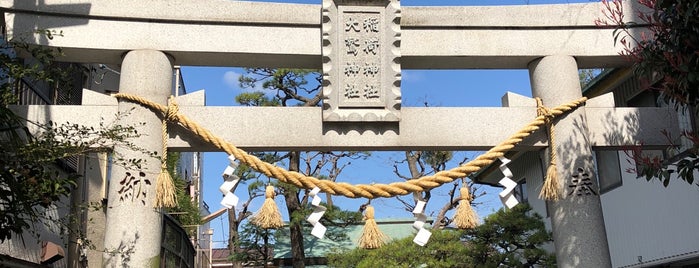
x=361 y=52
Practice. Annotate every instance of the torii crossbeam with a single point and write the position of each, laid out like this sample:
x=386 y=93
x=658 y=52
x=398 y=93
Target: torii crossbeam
x=361 y=65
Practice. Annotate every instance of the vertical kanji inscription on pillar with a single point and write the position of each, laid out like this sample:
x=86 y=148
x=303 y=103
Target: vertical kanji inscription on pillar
x=361 y=52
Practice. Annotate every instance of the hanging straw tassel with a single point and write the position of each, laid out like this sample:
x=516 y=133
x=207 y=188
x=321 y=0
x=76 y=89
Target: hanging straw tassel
x=465 y=217
x=165 y=195
x=551 y=184
x=371 y=237
x=268 y=217
x=550 y=189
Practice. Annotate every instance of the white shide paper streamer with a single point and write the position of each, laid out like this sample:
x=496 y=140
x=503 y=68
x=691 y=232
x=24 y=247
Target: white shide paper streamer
x=318 y=211
x=423 y=235
x=507 y=196
x=230 y=180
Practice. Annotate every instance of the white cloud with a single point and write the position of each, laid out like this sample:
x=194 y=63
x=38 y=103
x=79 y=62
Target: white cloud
x=412 y=76
x=230 y=79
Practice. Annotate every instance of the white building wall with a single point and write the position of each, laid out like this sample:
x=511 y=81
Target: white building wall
x=648 y=220
x=529 y=168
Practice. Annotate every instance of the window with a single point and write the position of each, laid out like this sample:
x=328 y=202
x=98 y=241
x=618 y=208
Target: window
x=608 y=170
x=520 y=191
x=177 y=250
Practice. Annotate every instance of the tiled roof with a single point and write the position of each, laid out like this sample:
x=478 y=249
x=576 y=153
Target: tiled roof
x=314 y=247
x=220 y=253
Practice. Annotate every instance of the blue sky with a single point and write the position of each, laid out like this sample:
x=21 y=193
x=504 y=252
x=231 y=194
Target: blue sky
x=445 y=88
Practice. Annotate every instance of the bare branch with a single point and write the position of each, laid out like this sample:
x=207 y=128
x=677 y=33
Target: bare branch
x=407 y=205
x=395 y=171
x=244 y=214
x=441 y=221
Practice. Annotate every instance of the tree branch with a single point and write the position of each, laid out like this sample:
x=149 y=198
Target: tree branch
x=441 y=221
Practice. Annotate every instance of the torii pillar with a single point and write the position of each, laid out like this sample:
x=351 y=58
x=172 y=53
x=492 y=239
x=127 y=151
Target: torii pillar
x=134 y=228
x=578 y=224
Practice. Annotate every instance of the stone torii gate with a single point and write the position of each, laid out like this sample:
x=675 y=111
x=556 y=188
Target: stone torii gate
x=361 y=49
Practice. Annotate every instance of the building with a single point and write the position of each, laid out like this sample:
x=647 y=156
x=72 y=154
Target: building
x=316 y=249
x=647 y=225
x=49 y=244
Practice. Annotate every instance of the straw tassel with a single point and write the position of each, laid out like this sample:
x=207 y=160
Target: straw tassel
x=268 y=217
x=549 y=191
x=465 y=217
x=165 y=193
x=372 y=237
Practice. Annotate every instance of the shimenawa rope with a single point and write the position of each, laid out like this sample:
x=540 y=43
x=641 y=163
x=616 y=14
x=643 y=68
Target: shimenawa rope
x=165 y=192
x=549 y=191
x=361 y=190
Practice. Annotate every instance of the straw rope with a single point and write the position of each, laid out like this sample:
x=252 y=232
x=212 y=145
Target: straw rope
x=165 y=194
x=360 y=190
x=549 y=191
x=465 y=217
x=268 y=217
x=372 y=237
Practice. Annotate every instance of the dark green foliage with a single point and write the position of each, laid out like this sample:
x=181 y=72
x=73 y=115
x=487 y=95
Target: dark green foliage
x=666 y=57
x=508 y=238
x=29 y=179
x=31 y=173
x=286 y=88
x=512 y=238
x=40 y=70
x=187 y=210
x=671 y=56
x=333 y=218
x=254 y=245
x=291 y=87
x=445 y=249
x=652 y=168
x=252 y=240
x=256 y=98
x=437 y=159
x=28 y=184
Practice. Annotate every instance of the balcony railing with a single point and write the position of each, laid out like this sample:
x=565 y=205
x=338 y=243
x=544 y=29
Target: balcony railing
x=29 y=95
